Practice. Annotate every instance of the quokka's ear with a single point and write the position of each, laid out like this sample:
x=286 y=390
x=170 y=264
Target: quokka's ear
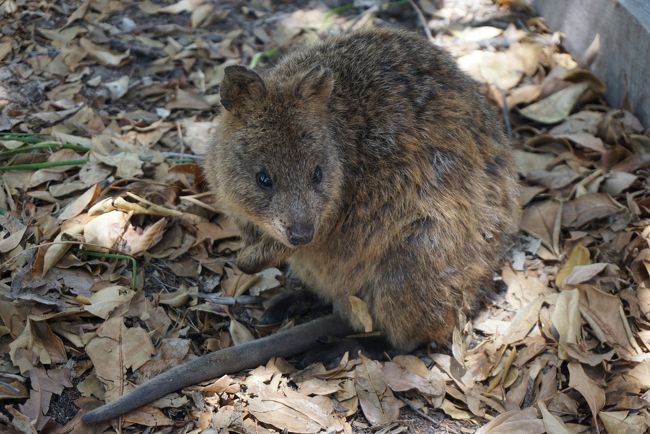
x=240 y=88
x=316 y=85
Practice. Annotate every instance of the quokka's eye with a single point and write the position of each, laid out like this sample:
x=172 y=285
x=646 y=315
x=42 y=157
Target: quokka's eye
x=317 y=177
x=264 y=180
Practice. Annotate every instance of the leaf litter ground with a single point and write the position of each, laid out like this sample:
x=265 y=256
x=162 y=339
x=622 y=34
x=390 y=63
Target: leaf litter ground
x=116 y=263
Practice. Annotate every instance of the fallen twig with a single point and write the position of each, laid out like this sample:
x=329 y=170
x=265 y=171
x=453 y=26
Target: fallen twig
x=423 y=21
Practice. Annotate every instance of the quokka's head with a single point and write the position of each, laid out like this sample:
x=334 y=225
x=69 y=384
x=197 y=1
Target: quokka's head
x=275 y=162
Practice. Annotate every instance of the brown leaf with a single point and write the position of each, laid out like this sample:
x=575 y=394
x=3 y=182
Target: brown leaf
x=540 y=220
x=13 y=390
x=104 y=301
x=5 y=48
x=360 y=313
x=552 y=423
x=616 y=182
x=454 y=411
x=15 y=230
x=316 y=386
x=504 y=69
x=104 y=231
x=378 y=404
x=137 y=241
x=240 y=333
x=36 y=344
x=181 y=6
x=528 y=193
x=556 y=107
x=641 y=374
x=201 y=14
x=608 y=321
x=188 y=100
x=581 y=122
x=295 y=412
x=524 y=94
x=589 y=207
x=527 y=162
x=566 y=319
x=103 y=56
x=409 y=372
x=50 y=255
x=523 y=287
x=115 y=349
x=558 y=177
x=619 y=422
x=171 y=352
x=585 y=140
x=118 y=88
x=79 y=13
x=592 y=392
x=265 y=280
x=523 y=322
x=514 y=422
x=198 y=135
x=586 y=356
x=128 y=164
x=584 y=273
x=148 y=416
x=79 y=204
x=579 y=256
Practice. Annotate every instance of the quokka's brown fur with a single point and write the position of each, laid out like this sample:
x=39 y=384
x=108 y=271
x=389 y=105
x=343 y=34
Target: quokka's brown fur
x=418 y=193
x=410 y=208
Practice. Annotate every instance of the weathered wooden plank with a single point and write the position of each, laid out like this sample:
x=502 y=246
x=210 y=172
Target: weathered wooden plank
x=623 y=28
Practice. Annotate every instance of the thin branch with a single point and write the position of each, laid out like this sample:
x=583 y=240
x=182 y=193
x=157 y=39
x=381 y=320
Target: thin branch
x=505 y=111
x=423 y=21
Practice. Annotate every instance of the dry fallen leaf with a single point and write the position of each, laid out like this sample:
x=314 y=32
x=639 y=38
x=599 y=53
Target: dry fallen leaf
x=619 y=422
x=608 y=321
x=103 y=56
x=293 y=411
x=409 y=372
x=115 y=349
x=556 y=107
x=240 y=333
x=78 y=205
x=11 y=233
x=378 y=403
x=584 y=273
x=592 y=392
x=587 y=208
x=552 y=423
x=579 y=256
x=104 y=231
x=541 y=220
x=103 y=302
x=360 y=313
x=514 y=422
x=36 y=343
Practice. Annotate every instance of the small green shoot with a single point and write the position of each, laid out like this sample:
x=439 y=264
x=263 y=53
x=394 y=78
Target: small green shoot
x=258 y=56
x=134 y=263
x=44 y=165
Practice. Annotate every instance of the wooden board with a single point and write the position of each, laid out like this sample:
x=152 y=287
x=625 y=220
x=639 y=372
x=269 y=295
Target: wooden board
x=623 y=28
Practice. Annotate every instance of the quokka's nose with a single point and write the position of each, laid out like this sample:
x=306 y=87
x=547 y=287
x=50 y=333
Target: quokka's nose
x=300 y=233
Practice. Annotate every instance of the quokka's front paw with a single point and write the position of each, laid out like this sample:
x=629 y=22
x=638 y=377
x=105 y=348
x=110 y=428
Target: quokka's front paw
x=250 y=261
